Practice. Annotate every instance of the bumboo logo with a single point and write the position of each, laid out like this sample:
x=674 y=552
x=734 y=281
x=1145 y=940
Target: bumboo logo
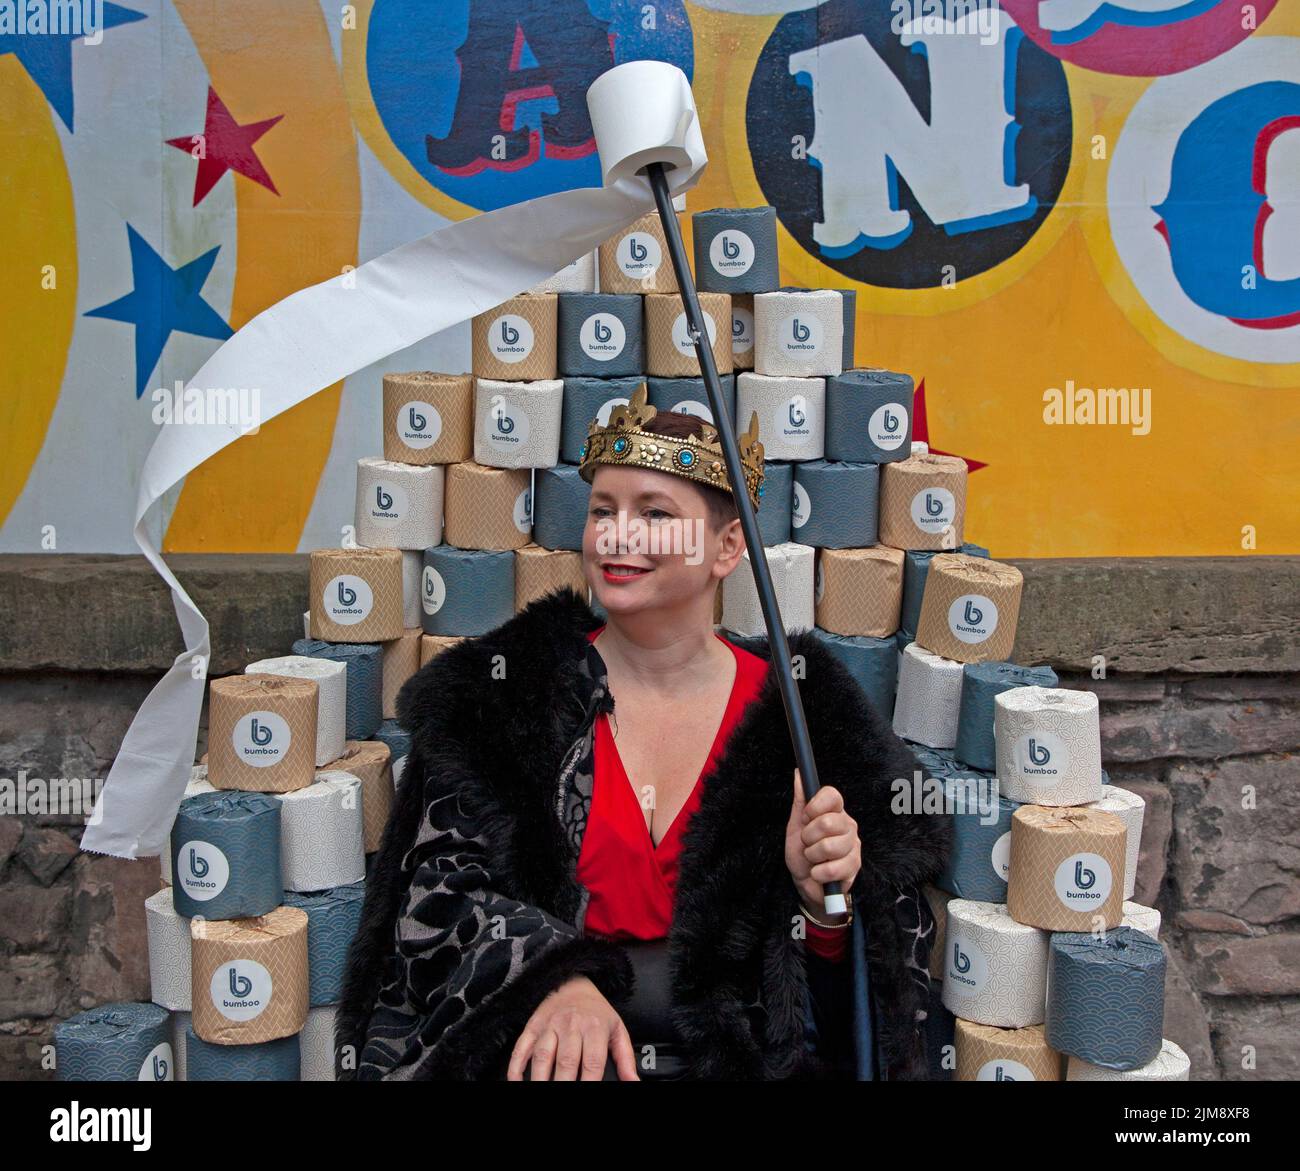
x=887 y=427
x=347 y=595
x=418 y=424
x=510 y=338
x=509 y=334
x=602 y=337
x=638 y=255
x=1083 y=881
x=796 y=415
x=791 y=417
x=802 y=336
x=347 y=599
x=1038 y=753
x=1042 y=755
x=960 y=962
x=414 y=420
x=966 y=966
x=433 y=591
x=933 y=509
x=241 y=989
x=202 y=870
x=973 y=618
x=261 y=739
x=933 y=505
x=731 y=253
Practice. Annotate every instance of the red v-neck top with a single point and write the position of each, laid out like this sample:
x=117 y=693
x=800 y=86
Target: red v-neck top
x=631 y=881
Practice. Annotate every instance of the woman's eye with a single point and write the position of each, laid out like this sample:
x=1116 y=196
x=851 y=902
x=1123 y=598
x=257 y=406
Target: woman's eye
x=656 y=513
x=599 y=510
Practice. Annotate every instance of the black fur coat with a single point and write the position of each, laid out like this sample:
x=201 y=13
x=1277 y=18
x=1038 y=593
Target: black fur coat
x=473 y=914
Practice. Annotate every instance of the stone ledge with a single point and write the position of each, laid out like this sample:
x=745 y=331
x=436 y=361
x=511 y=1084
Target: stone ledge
x=1197 y=615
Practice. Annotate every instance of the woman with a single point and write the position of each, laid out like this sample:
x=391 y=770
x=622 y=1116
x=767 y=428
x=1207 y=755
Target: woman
x=572 y=887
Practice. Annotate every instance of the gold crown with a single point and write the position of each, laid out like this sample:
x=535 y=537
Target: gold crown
x=623 y=442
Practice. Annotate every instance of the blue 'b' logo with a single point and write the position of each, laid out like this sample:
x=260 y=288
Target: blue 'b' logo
x=1000 y=1075
x=347 y=595
x=636 y=249
x=509 y=334
x=505 y=424
x=417 y=420
x=160 y=1069
x=1083 y=877
x=261 y=734
x=1038 y=753
x=891 y=421
x=797 y=416
x=737 y=327
x=801 y=332
x=933 y=505
x=383 y=499
x=602 y=331
x=960 y=961
x=428 y=587
x=974 y=615
x=240 y=986
x=198 y=865
x=730 y=249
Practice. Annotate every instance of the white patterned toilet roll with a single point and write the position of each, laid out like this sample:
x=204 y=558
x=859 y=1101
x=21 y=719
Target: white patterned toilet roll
x=799 y=333
x=412 y=569
x=1140 y=918
x=578 y=277
x=1130 y=809
x=180 y=1022
x=517 y=424
x=793 y=569
x=331 y=713
x=995 y=969
x=1048 y=745
x=198 y=783
x=1171 y=1064
x=398 y=506
x=929 y=698
x=317 y=1044
x=322 y=841
x=791 y=414
x=169 y=952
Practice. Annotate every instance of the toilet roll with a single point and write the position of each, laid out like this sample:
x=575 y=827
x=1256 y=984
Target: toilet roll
x=198 y=783
x=1169 y=1065
x=226 y=855
x=636 y=259
x=836 y=505
x=871 y=661
x=929 y=698
x=1066 y=868
x=986 y=1053
x=1140 y=918
x=322 y=841
x=776 y=503
x=487 y=508
x=850 y=299
x=317 y=1042
x=432 y=645
x=365 y=680
x=858 y=591
x=791 y=414
x=970 y=608
x=1106 y=997
x=799 y=333
x=539 y=572
x=979 y=858
x=923 y=502
x=516 y=341
x=916 y=569
x=1048 y=745
x=124 y=1042
x=669 y=350
x=369 y=761
x=262 y=732
x=466 y=591
x=169 y=952
x=981 y=684
x=180 y=1023
x=306 y=624
x=600 y=335
x=995 y=969
x=742 y=331
x=1130 y=809
x=331 y=679
x=333 y=917
x=267 y=1061
x=517 y=424
x=587 y=400
x=562 y=500
x=938 y=900
x=401 y=660
x=398 y=506
x=869 y=416
x=791 y=567
x=428 y=417
x=412 y=569
x=356 y=595
x=578 y=277
x=249 y=978
x=735 y=250
x=687 y=396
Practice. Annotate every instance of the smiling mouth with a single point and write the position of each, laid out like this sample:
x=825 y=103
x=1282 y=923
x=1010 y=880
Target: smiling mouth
x=616 y=572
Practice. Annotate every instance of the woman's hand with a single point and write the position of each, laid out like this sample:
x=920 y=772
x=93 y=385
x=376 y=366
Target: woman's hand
x=821 y=844
x=572 y=1032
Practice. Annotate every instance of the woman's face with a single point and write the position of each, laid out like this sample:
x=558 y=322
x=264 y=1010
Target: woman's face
x=648 y=543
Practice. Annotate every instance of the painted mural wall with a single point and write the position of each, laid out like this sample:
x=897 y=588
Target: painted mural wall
x=1076 y=223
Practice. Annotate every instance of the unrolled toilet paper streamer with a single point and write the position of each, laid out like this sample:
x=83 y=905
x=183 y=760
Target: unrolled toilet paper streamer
x=640 y=111
x=322 y=841
x=735 y=250
x=333 y=917
x=981 y=684
x=970 y=608
x=916 y=568
x=355 y=594
x=986 y=1053
x=835 y=505
x=262 y=732
x=269 y=1061
x=929 y=698
x=561 y=500
x=587 y=399
x=331 y=679
x=995 y=969
x=577 y=277
x=169 y=952
x=369 y=761
x=226 y=847
x=1140 y=918
x=1130 y=809
x=540 y=571
x=792 y=569
x=687 y=396
x=466 y=591
x=1106 y=997
x=317 y=1042
x=428 y=417
x=364 y=680
x=799 y=333
x=869 y=416
x=487 y=508
x=198 y=783
x=398 y=506
x=1067 y=868
x=125 y=1042
x=857 y=591
x=517 y=424
x=401 y=659
x=600 y=335
x=979 y=859
x=871 y=661
x=1048 y=745
x=791 y=413
x=1169 y=1065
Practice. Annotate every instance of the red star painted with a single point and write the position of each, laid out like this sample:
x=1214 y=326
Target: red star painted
x=227 y=146
x=921 y=430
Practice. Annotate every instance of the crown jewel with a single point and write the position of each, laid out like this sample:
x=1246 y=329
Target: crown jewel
x=623 y=441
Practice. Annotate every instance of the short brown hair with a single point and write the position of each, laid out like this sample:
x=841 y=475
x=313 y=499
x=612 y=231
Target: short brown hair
x=677 y=425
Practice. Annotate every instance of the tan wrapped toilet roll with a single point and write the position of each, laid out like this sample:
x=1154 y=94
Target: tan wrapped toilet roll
x=432 y=645
x=249 y=977
x=1067 y=868
x=487 y=508
x=356 y=595
x=995 y=969
x=923 y=502
x=742 y=331
x=636 y=259
x=368 y=761
x=1170 y=1065
x=938 y=900
x=970 y=608
x=401 y=661
x=517 y=340
x=428 y=417
x=859 y=591
x=262 y=733
x=538 y=571
x=517 y=424
x=986 y=1053
x=669 y=352
x=330 y=678
x=1047 y=743
x=398 y=506
x=1131 y=810
x=792 y=569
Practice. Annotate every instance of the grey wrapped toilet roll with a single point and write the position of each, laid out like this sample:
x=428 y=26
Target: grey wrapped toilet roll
x=1106 y=997
x=916 y=568
x=835 y=505
x=333 y=917
x=225 y=849
x=560 y=502
x=466 y=591
x=127 y=1042
x=850 y=297
x=869 y=416
x=601 y=335
x=981 y=682
x=687 y=396
x=980 y=855
x=1169 y=1065
x=397 y=738
x=365 y=661
x=776 y=503
x=267 y=1061
x=735 y=250
x=180 y=1021
x=873 y=662
x=586 y=399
